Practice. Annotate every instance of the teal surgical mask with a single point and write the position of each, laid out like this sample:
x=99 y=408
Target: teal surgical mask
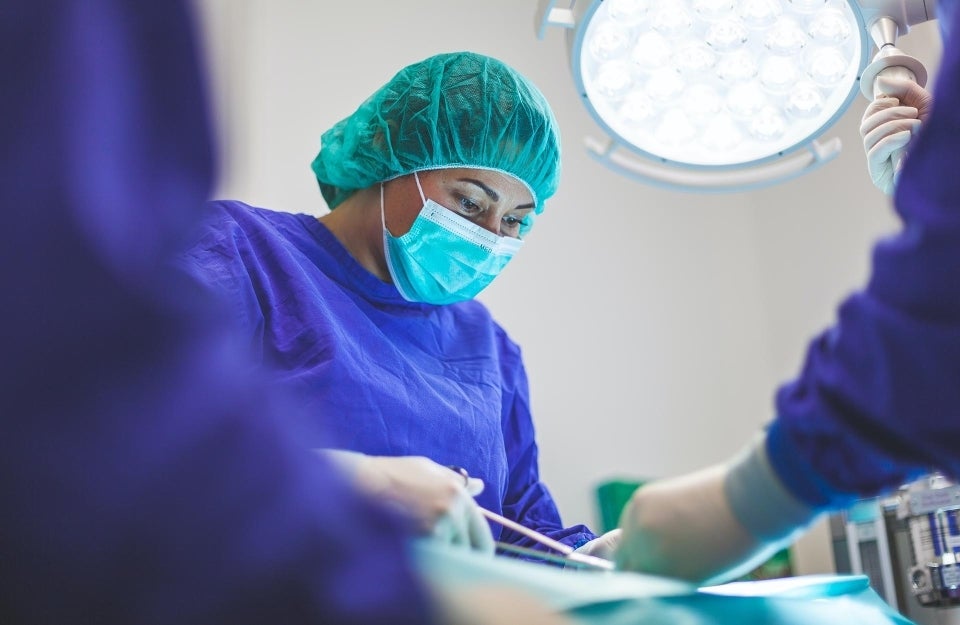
x=444 y=258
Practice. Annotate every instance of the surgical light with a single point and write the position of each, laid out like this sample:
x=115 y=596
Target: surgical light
x=726 y=95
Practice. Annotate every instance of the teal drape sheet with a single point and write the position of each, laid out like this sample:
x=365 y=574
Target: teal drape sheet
x=620 y=598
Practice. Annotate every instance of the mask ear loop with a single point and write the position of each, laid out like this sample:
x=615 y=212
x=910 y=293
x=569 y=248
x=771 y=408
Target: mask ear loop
x=383 y=221
x=419 y=188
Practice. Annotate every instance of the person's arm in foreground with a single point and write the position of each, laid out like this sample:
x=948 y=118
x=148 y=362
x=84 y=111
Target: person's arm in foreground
x=142 y=476
x=876 y=405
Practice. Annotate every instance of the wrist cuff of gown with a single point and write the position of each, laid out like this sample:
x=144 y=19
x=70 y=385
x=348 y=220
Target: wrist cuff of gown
x=760 y=501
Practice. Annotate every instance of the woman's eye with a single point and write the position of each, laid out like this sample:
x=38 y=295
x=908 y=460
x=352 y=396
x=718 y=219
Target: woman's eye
x=511 y=225
x=468 y=206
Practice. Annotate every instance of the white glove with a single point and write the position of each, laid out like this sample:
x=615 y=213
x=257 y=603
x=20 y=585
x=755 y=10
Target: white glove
x=713 y=525
x=604 y=546
x=888 y=124
x=438 y=499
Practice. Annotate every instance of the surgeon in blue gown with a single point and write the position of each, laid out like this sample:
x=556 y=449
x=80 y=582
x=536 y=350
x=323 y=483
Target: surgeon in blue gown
x=877 y=403
x=368 y=313
x=147 y=473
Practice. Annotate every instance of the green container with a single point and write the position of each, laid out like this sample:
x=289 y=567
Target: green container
x=612 y=496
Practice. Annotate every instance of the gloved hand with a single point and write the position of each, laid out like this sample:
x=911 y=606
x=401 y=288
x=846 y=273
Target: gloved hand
x=604 y=546
x=437 y=498
x=713 y=525
x=888 y=124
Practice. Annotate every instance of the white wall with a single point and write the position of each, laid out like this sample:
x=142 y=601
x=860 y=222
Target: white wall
x=655 y=324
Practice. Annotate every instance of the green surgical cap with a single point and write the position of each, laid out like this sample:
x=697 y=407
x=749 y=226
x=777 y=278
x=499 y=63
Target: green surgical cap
x=450 y=110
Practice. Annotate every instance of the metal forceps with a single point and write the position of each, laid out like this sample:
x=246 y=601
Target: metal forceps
x=567 y=556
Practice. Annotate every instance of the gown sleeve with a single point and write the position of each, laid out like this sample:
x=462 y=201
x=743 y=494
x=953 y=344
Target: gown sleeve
x=527 y=499
x=144 y=476
x=877 y=403
x=217 y=258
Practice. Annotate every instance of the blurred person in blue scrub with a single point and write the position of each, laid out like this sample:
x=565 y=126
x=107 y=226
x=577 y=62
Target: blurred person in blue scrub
x=147 y=474
x=368 y=313
x=877 y=403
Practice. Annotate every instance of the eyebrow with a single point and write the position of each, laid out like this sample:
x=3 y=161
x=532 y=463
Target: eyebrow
x=493 y=195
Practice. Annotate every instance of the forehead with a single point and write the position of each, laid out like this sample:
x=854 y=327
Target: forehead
x=507 y=186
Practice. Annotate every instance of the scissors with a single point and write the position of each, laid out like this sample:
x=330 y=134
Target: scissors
x=567 y=556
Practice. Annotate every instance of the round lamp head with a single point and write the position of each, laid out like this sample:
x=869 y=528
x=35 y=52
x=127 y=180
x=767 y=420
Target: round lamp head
x=717 y=83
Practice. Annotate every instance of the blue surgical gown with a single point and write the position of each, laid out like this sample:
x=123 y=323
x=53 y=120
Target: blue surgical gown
x=877 y=403
x=385 y=376
x=146 y=475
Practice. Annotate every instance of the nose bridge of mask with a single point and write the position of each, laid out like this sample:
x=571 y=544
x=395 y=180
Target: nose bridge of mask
x=466 y=229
